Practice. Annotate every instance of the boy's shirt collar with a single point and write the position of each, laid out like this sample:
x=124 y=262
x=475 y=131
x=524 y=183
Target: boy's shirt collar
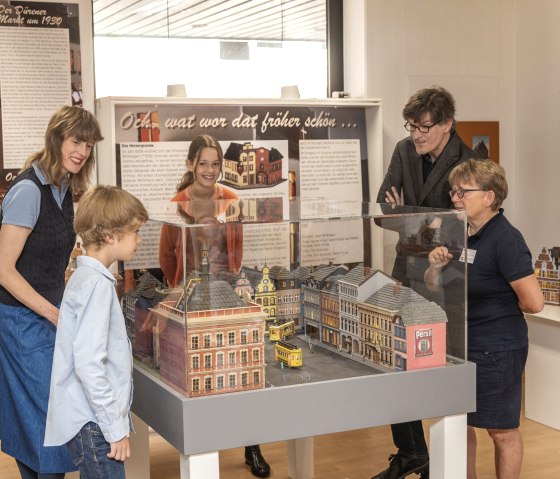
x=85 y=260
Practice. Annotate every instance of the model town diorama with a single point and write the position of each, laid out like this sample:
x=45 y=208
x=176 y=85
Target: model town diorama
x=208 y=336
x=547 y=273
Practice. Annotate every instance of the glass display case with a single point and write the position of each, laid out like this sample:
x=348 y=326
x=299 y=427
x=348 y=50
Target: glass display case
x=254 y=294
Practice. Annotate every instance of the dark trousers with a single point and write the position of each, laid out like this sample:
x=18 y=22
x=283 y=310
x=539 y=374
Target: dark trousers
x=28 y=473
x=409 y=438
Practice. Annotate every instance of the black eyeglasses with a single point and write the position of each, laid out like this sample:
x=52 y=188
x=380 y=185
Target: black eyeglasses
x=460 y=192
x=421 y=128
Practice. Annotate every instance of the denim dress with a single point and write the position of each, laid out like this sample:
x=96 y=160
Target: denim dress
x=26 y=353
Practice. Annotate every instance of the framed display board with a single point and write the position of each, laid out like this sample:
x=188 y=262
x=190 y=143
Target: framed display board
x=292 y=151
x=43 y=66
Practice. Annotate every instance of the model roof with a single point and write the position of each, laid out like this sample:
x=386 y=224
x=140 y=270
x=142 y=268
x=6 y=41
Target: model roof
x=408 y=304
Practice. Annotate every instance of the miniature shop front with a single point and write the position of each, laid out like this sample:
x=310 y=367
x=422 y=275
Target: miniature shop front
x=255 y=300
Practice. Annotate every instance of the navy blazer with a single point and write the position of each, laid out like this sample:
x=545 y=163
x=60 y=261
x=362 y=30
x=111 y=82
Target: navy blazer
x=405 y=171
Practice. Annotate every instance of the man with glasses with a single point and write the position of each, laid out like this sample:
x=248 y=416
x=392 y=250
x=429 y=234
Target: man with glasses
x=418 y=176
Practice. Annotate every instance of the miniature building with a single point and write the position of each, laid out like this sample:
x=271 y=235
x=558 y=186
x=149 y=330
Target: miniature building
x=312 y=292
x=288 y=293
x=400 y=329
x=330 y=312
x=246 y=166
x=222 y=349
x=354 y=288
x=546 y=271
x=265 y=295
x=135 y=305
x=72 y=264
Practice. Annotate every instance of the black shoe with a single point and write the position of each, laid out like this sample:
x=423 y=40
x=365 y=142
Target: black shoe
x=401 y=466
x=254 y=458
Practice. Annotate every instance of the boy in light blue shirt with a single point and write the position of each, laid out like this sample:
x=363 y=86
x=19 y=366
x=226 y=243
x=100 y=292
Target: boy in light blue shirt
x=91 y=381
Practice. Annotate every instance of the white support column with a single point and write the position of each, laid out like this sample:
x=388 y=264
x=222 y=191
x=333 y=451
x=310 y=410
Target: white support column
x=200 y=466
x=138 y=465
x=448 y=447
x=300 y=458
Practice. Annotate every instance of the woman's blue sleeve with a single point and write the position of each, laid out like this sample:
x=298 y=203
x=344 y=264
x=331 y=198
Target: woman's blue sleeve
x=22 y=205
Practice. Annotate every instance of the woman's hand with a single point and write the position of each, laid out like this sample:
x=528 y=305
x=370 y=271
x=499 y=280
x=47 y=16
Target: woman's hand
x=439 y=258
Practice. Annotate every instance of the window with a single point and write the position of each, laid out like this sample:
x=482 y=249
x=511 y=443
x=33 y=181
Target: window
x=194 y=342
x=243 y=337
x=256 y=355
x=207 y=360
x=206 y=341
x=293 y=50
x=195 y=362
x=255 y=335
x=231 y=358
x=256 y=377
x=231 y=338
x=219 y=382
x=220 y=359
x=231 y=380
x=207 y=383
x=244 y=379
x=219 y=339
x=244 y=356
x=196 y=384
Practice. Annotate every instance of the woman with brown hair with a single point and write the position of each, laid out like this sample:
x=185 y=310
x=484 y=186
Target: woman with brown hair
x=36 y=239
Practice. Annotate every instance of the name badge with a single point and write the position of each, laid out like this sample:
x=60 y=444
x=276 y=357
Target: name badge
x=471 y=253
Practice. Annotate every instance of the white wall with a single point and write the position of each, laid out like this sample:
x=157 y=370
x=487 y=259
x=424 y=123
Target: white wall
x=466 y=47
x=499 y=58
x=537 y=131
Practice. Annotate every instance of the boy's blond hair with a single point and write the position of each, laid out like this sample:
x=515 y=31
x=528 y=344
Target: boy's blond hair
x=106 y=210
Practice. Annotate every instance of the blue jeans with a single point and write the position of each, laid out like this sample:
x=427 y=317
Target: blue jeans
x=89 y=451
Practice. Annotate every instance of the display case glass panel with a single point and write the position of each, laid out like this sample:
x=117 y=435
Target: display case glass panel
x=228 y=297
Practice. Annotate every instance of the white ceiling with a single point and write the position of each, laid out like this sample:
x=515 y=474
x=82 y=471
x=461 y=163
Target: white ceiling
x=265 y=20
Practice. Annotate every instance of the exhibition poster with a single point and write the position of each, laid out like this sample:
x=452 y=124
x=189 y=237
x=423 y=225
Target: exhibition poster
x=315 y=154
x=40 y=71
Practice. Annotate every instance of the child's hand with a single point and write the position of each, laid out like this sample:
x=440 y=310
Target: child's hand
x=120 y=450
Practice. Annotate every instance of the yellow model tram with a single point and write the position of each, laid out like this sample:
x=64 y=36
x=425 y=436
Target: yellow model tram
x=280 y=331
x=288 y=353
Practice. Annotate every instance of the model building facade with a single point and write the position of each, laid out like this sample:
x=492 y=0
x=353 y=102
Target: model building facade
x=546 y=271
x=210 y=340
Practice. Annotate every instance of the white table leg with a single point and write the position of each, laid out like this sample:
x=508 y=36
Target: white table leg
x=448 y=447
x=200 y=466
x=138 y=465
x=300 y=458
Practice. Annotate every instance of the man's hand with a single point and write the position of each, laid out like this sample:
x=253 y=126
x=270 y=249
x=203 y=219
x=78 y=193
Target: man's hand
x=120 y=450
x=393 y=197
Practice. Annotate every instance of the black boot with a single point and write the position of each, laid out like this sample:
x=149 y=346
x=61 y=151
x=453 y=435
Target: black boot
x=254 y=458
x=401 y=465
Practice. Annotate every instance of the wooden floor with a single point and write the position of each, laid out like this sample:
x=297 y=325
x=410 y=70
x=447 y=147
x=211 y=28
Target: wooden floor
x=351 y=455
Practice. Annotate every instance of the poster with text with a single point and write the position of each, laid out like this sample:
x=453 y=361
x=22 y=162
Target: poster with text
x=40 y=71
x=292 y=154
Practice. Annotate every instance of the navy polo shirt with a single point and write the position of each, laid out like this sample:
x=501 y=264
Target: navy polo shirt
x=495 y=322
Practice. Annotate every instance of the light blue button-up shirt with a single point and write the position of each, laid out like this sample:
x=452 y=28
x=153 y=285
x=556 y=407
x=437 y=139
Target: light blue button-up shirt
x=92 y=366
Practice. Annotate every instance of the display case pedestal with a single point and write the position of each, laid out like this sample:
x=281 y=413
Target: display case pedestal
x=197 y=427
